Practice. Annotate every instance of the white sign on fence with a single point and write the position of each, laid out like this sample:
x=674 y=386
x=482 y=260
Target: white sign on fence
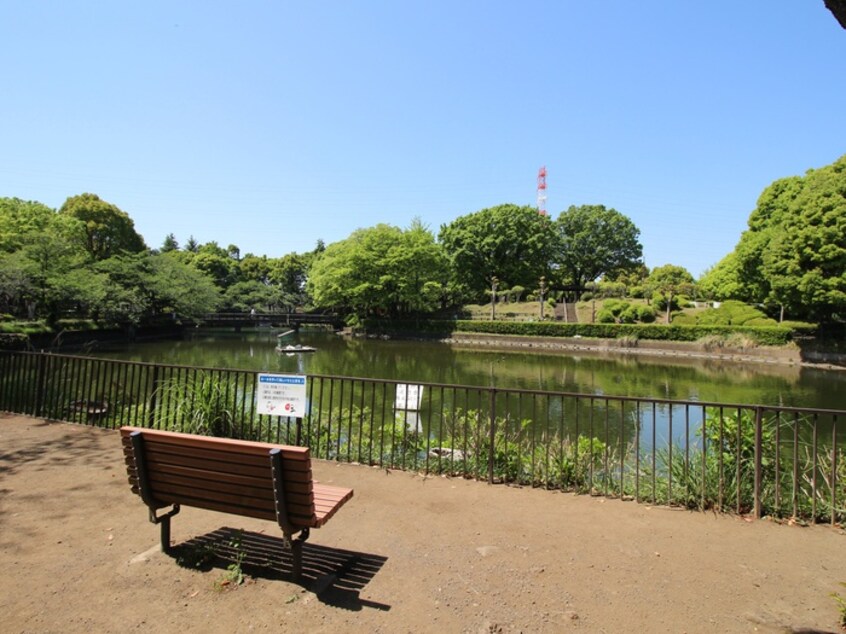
x=409 y=397
x=281 y=395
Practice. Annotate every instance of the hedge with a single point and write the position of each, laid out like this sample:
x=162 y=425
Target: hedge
x=763 y=335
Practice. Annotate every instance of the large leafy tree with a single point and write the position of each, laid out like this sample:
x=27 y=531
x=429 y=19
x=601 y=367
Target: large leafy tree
x=45 y=252
x=109 y=231
x=143 y=286
x=379 y=270
x=593 y=241
x=507 y=243
x=806 y=262
x=793 y=253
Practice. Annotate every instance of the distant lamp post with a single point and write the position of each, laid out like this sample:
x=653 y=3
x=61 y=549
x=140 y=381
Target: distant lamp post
x=542 y=291
x=494 y=284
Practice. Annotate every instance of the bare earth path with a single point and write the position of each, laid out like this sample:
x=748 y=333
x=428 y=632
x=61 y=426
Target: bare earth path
x=406 y=554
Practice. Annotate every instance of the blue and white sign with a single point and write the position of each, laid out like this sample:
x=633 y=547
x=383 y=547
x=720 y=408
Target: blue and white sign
x=282 y=395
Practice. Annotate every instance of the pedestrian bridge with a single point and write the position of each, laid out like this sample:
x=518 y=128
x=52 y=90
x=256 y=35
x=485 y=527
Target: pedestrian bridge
x=273 y=320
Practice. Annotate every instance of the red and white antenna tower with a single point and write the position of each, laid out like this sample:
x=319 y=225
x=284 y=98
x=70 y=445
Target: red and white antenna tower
x=542 y=191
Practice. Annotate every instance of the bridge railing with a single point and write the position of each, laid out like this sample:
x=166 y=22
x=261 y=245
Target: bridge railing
x=762 y=460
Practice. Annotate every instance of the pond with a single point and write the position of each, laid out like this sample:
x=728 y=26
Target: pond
x=435 y=362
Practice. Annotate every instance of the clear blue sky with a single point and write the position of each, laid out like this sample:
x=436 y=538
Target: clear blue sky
x=271 y=125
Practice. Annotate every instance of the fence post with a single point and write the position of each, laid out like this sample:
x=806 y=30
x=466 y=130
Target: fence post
x=151 y=415
x=40 y=380
x=492 y=437
x=758 y=458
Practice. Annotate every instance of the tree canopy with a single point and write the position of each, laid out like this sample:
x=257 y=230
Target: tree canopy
x=593 y=241
x=109 y=231
x=379 y=270
x=793 y=253
x=507 y=242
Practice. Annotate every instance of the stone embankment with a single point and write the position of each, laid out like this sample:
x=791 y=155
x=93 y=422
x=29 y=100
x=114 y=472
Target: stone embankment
x=785 y=355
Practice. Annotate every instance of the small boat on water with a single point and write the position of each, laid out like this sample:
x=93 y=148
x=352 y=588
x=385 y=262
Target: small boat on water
x=289 y=349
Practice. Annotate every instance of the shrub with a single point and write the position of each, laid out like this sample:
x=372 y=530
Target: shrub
x=605 y=316
x=646 y=314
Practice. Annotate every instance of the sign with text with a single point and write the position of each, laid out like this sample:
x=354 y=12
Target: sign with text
x=281 y=395
x=409 y=397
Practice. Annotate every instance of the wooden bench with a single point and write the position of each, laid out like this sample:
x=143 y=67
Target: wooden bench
x=252 y=479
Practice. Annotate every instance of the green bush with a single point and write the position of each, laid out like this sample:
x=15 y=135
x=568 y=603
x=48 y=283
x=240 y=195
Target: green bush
x=684 y=319
x=605 y=316
x=76 y=324
x=646 y=314
x=734 y=313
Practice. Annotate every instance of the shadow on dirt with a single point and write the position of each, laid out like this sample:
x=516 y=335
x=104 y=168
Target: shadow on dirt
x=335 y=576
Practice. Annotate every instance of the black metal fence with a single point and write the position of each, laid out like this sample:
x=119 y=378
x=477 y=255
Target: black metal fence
x=784 y=462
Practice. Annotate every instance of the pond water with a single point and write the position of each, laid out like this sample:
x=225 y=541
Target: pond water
x=435 y=362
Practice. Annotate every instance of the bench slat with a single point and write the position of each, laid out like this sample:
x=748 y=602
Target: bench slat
x=190 y=440
x=220 y=456
x=292 y=489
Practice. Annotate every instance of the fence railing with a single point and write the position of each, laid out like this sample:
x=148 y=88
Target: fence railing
x=784 y=462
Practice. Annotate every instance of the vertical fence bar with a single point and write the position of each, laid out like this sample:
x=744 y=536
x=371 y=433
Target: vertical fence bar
x=382 y=425
x=795 y=496
x=654 y=453
x=687 y=453
x=777 y=440
x=670 y=456
x=720 y=452
x=492 y=434
x=759 y=434
x=40 y=382
x=738 y=459
x=637 y=452
x=606 y=432
x=815 y=467
x=704 y=434
x=834 y=470
x=590 y=447
x=154 y=395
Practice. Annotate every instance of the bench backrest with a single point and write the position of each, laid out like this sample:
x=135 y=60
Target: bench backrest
x=222 y=474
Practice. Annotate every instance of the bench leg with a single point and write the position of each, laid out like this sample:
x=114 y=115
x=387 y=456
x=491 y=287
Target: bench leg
x=297 y=557
x=296 y=546
x=165 y=523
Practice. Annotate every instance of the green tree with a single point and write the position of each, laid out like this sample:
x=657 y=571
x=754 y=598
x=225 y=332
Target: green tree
x=670 y=280
x=255 y=268
x=216 y=263
x=143 y=286
x=249 y=294
x=593 y=241
x=289 y=273
x=379 y=270
x=109 y=231
x=169 y=244
x=722 y=281
x=806 y=262
x=507 y=242
x=793 y=253
x=21 y=219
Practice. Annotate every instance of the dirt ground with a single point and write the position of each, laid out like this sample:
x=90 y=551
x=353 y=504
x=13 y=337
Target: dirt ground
x=406 y=554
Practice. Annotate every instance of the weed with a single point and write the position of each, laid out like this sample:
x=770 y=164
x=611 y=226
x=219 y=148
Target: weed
x=841 y=605
x=234 y=575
